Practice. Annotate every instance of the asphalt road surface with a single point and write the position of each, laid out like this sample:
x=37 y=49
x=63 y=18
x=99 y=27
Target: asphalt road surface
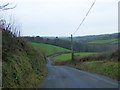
x=67 y=77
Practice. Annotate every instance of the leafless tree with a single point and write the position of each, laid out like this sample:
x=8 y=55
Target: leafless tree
x=6 y=7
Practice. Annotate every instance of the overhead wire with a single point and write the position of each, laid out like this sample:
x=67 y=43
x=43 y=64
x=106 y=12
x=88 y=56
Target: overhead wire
x=85 y=17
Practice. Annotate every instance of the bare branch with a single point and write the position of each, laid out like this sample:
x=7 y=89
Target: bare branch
x=5 y=7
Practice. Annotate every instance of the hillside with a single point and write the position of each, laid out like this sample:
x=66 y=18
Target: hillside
x=22 y=65
x=94 y=43
x=110 y=41
x=92 y=38
x=49 y=49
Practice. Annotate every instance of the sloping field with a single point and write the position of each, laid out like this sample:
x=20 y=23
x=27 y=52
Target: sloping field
x=110 y=41
x=49 y=49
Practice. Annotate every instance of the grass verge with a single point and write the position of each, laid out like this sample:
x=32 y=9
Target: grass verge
x=107 y=68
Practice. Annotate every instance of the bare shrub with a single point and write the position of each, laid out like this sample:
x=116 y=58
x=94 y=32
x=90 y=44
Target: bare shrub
x=10 y=28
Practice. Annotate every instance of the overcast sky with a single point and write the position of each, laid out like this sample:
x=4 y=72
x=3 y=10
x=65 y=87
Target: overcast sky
x=62 y=17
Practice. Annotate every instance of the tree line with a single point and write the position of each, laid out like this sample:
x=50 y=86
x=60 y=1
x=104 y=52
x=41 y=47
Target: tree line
x=77 y=46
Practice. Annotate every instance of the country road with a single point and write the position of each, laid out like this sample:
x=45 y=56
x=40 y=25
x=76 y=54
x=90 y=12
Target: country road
x=67 y=77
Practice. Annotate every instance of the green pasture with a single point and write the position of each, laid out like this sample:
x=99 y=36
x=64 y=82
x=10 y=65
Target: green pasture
x=65 y=57
x=49 y=49
x=110 y=41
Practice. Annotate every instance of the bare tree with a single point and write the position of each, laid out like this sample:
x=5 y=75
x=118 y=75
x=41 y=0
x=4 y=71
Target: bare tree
x=6 y=6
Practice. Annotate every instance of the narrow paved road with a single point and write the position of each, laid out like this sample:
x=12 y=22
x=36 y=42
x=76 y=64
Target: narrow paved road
x=67 y=77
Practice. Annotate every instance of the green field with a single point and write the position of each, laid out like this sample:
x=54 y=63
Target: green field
x=110 y=41
x=65 y=57
x=49 y=49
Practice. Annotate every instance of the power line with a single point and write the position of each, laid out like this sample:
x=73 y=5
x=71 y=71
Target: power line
x=84 y=17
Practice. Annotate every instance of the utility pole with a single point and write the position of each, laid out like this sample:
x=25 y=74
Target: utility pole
x=72 y=52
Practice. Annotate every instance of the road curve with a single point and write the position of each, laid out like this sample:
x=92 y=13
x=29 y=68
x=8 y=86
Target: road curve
x=67 y=77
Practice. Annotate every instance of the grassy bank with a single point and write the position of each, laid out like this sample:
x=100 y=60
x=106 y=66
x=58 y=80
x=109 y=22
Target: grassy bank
x=107 y=68
x=22 y=65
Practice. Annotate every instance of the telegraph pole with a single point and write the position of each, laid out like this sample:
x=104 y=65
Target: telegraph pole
x=72 y=52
